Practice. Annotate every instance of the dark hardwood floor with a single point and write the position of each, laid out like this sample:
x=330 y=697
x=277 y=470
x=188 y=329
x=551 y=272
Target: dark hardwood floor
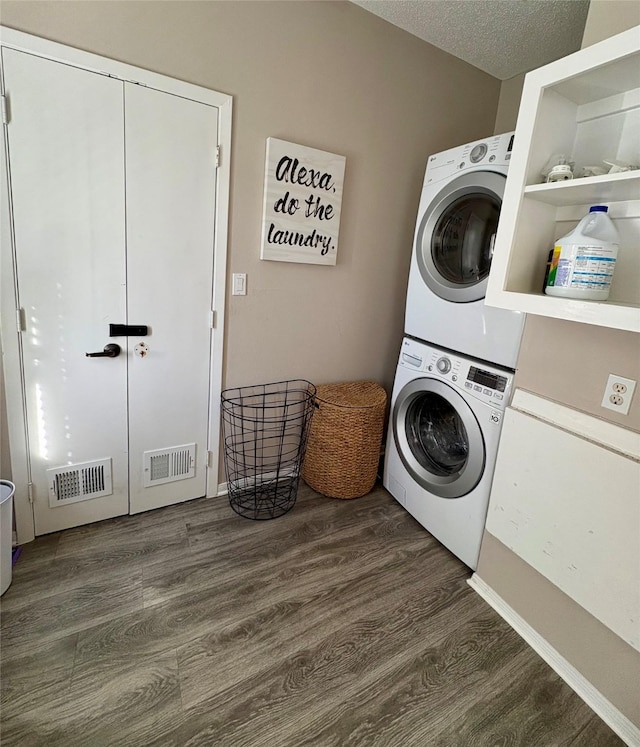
x=340 y=623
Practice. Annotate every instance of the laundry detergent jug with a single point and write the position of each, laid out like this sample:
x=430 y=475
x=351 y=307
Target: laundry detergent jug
x=583 y=261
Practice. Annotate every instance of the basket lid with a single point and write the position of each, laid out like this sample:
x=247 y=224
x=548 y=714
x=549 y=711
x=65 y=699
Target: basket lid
x=352 y=394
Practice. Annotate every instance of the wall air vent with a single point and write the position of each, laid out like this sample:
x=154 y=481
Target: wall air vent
x=169 y=465
x=79 y=482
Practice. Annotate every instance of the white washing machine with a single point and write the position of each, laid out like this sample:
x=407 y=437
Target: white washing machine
x=446 y=417
x=452 y=250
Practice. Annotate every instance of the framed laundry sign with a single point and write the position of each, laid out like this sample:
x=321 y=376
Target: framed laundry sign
x=302 y=202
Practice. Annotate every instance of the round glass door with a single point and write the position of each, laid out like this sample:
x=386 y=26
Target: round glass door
x=436 y=435
x=438 y=438
x=462 y=241
x=456 y=236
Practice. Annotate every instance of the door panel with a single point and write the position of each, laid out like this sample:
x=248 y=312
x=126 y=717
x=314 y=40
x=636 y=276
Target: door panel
x=454 y=244
x=170 y=175
x=66 y=159
x=438 y=438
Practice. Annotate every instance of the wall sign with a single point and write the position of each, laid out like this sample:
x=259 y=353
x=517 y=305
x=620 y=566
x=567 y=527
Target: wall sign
x=302 y=201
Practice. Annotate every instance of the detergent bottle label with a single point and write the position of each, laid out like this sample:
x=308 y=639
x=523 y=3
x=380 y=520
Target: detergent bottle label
x=582 y=263
x=553 y=266
x=584 y=267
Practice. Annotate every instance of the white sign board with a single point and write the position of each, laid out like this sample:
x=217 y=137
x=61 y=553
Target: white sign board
x=302 y=201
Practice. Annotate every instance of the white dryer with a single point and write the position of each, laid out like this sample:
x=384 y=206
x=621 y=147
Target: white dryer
x=452 y=251
x=442 y=442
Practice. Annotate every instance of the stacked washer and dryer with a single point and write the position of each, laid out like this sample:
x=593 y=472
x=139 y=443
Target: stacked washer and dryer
x=458 y=356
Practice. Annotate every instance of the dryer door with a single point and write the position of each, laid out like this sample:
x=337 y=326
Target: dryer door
x=438 y=438
x=455 y=238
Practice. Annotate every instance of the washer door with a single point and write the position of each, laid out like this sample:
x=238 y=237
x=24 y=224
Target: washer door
x=454 y=244
x=438 y=438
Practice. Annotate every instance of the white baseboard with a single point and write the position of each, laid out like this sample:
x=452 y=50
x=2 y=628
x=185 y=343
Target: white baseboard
x=618 y=722
x=223 y=489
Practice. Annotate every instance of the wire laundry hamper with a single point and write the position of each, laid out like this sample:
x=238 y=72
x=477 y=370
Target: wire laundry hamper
x=265 y=430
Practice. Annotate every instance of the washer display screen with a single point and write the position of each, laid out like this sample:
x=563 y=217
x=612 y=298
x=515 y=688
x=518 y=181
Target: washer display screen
x=491 y=381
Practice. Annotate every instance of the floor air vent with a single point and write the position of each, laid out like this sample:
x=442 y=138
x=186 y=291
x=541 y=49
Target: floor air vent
x=79 y=482
x=169 y=465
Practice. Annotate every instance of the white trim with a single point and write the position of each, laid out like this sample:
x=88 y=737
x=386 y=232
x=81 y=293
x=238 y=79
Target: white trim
x=11 y=343
x=13 y=383
x=106 y=66
x=609 y=435
x=616 y=720
x=223 y=489
x=223 y=181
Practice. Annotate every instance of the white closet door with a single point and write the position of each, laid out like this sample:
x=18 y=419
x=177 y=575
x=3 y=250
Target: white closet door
x=67 y=174
x=171 y=176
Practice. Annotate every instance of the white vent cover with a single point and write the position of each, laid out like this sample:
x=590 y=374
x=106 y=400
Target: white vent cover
x=79 y=482
x=169 y=465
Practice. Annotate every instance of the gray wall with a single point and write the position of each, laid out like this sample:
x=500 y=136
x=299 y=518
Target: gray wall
x=508 y=104
x=569 y=363
x=323 y=74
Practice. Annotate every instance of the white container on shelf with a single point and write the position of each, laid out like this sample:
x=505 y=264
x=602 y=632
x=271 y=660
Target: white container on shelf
x=584 y=260
x=7 y=489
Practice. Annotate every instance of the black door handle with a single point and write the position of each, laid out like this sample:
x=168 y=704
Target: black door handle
x=111 y=350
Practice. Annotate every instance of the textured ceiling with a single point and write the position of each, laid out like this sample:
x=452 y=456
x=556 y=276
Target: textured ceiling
x=501 y=37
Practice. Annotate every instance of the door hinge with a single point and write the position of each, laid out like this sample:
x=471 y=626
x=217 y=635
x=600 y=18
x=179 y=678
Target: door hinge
x=5 y=109
x=30 y=491
x=20 y=320
x=212 y=319
x=209 y=459
x=217 y=156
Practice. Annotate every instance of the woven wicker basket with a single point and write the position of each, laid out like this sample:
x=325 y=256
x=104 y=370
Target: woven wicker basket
x=343 y=450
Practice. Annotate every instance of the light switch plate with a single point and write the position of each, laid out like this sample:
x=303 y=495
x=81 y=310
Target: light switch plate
x=239 y=284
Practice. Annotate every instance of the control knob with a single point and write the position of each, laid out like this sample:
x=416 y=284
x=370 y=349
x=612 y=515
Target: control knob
x=443 y=365
x=478 y=153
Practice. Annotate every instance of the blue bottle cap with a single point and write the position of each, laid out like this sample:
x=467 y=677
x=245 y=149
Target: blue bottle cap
x=599 y=209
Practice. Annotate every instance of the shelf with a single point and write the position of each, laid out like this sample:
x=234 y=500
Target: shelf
x=617 y=77
x=591 y=189
x=586 y=105
x=600 y=313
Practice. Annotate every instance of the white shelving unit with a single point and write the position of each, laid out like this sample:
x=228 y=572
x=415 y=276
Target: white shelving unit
x=587 y=107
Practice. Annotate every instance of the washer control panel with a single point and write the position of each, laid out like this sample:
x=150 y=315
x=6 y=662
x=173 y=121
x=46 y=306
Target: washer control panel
x=475 y=378
x=443 y=365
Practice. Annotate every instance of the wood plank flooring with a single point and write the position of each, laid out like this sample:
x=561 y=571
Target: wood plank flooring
x=342 y=623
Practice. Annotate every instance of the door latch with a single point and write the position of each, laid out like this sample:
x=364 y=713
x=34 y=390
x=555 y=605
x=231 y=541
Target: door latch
x=128 y=330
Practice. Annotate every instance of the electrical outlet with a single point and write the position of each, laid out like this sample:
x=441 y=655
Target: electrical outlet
x=618 y=394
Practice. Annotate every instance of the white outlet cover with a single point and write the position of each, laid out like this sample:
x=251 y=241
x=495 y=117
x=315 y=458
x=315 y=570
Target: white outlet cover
x=624 y=398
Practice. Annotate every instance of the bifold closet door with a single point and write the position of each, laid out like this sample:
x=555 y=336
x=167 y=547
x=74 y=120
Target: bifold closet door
x=66 y=156
x=171 y=177
x=113 y=193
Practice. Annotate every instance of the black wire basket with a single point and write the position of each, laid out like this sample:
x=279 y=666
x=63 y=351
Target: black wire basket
x=265 y=430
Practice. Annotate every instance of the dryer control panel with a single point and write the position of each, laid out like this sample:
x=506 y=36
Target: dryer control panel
x=492 y=153
x=476 y=378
